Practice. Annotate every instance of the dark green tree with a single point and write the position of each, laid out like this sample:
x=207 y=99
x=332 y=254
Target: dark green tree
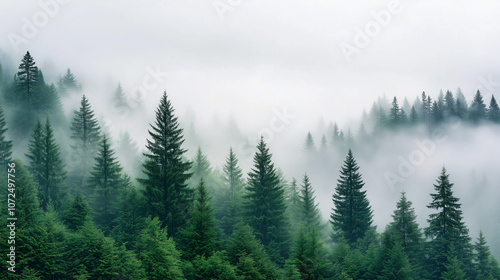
x=214 y=267
x=310 y=256
x=200 y=169
x=461 y=105
x=352 y=215
x=413 y=115
x=157 y=252
x=106 y=185
x=395 y=114
x=405 y=226
x=393 y=259
x=453 y=270
x=26 y=79
x=47 y=166
x=477 y=111
x=167 y=194
x=233 y=176
x=493 y=111
x=85 y=133
x=310 y=214
x=446 y=228
x=482 y=258
x=77 y=213
x=450 y=105
x=249 y=256
x=265 y=204
x=199 y=238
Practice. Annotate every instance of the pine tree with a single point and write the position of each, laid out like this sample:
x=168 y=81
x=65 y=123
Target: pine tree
x=413 y=115
x=461 y=105
x=167 y=194
x=323 y=145
x=477 y=108
x=446 y=228
x=77 y=213
x=85 y=133
x=453 y=269
x=395 y=114
x=310 y=255
x=482 y=258
x=493 y=111
x=47 y=166
x=27 y=204
x=157 y=252
x=352 y=215
x=394 y=261
x=335 y=134
x=248 y=255
x=450 y=105
x=106 y=185
x=309 y=146
x=200 y=236
x=200 y=168
x=5 y=145
x=436 y=113
x=233 y=176
x=27 y=79
x=67 y=82
x=265 y=204
x=405 y=226
x=310 y=214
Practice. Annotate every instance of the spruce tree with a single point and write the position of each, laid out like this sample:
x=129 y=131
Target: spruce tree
x=450 y=105
x=77 y=213
x=405 y=226
x=5 y=145
x=309 y=146
x=67 y=82
x=310 y=214
x=413 y=115
x=352 y=215
x=160 y=259
x=106 y=185
x=27 y=79
x=85 y=133
x=453 y=270
x=446 y=228
x=395 y=114
x=167 y=194
x=199 y=238
x=310 y=255
x=493 y=111
x=482 y=258
x=200 y=168
x=477 y=108
x=461 y=105
x=265 y=204
x=47 y=166
x=233 y=176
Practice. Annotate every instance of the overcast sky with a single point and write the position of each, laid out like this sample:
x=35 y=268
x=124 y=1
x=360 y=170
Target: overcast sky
x=250 y=57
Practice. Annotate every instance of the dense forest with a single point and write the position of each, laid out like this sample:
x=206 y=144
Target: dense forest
x=88 y=206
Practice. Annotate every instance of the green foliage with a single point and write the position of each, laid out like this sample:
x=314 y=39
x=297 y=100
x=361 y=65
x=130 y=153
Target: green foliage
x=200 y=168
x=346 y=264
x=352 y=215
x=167 y=194
x=477 y=109
x=265 y=205
x=77 y=214
x=309 y=211
x=157 y=252
x=85 y=133
x=309 y=146
x=248 y=255
x=453 y=269
x=5 y=145
x=199 y=238
x=67 y=82
x=494 y=111
x=106 y=184
x=310 y=255
x=47 y=166
x=210 y=268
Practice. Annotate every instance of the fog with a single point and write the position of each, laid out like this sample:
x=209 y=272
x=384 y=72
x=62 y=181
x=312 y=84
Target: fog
x=250 y=68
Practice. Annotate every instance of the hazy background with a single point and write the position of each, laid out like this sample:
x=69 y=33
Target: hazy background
x=230 y=72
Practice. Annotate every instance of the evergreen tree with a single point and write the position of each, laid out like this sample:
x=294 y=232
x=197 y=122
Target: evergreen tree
x=477 y=108
x=394 y=261
x=200 y=236
x=200 y=168
x=310 y=214
x=214 y=267
x=413 y=115
x=453 y=269
x=233 y=176
x=27 y=205
x=248 y=255
x=265 y=204
x=157 y=252
x=335 y=134
x=493 y=111
x=294 y=208
x=127 y=152
x=67 y=82
x=85 y=133
x=27 y=79
x=309 y=146
x=323 y=145
x=405 y=226
x=403 y=118
x=106 y=184
x=47 y=166
x=167 y=194
x=131 y=219
x=436 y=113
x=446 y=228
x=77 y=213
x=5 y=145
x=352 y=214
x=119 y=99
x=462 y=107
x=482 y=258
x=450 y=105
x=395 y=114
x=310 y=255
